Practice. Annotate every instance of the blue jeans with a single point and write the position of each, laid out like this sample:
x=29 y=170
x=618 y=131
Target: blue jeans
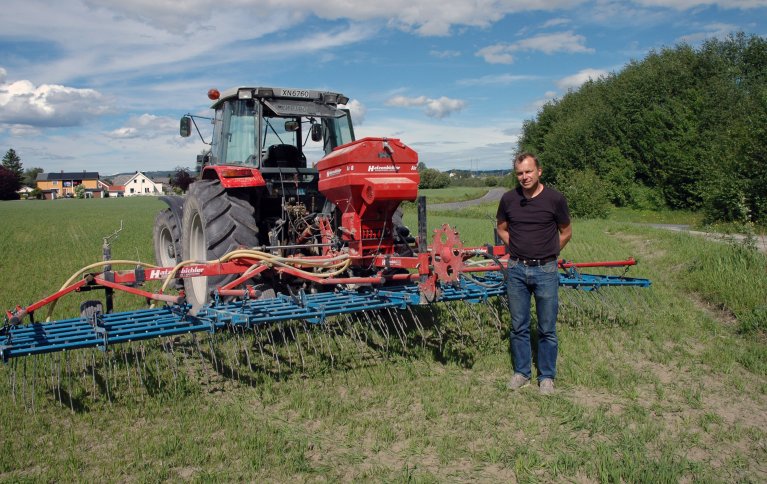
x=543 y=283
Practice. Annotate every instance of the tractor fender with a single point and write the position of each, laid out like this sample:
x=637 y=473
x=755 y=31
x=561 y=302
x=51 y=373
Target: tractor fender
x=176 y=205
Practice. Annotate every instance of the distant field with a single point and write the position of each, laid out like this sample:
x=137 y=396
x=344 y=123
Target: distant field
x=665 y=384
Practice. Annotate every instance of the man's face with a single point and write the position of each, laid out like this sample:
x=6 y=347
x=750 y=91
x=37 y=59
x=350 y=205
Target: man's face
x=528 y=174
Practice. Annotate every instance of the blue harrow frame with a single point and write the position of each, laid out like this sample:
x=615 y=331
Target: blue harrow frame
x=103 y=330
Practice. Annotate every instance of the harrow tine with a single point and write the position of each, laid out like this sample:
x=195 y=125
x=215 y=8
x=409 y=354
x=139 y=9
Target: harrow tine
x=286 y=343
x=295 y=338
x=34 y=382
x=58 y=379
x=397 y=328
x=213 y=356
x=360 y=342
x=347 y=329
x=417 y=322
x=257 y=337
x=137 y=361
x=324 y=345
x=496 y=315
x=109 y=370
x=127 y=369
x=274 y=352
x=69 y=380
x=12 y=380
x=24 y=383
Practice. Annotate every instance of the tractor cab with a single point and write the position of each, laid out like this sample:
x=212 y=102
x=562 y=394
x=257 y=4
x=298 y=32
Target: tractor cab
x=268 y=128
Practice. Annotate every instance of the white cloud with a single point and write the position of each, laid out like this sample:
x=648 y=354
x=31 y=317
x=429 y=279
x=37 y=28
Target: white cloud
x=434 y=108
x=496 y=79
x=357 y=110
x=425 y=17
x=48 y=105
x=489 y=144
x=497 y=54
x=502 y=53
x=688 y=4
x=146 y=126
x=715 y=30
x=555 y=22
x=551 y=43
x=20 y=130
x=445 y=54
x=576 y=80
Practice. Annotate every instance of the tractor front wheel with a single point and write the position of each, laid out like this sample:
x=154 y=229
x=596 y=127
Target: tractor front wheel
x=216 y=221
x=166 y=236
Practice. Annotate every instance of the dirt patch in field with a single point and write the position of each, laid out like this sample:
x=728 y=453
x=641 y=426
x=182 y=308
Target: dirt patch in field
x=644 y=247
x=717 y=313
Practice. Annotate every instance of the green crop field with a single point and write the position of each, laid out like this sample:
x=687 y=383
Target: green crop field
x=663 y=384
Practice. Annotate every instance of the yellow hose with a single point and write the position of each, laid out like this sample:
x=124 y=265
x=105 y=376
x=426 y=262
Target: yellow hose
x=89 y=267
x=340 y=263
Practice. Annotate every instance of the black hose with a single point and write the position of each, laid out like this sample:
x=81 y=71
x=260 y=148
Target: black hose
x=489 y=255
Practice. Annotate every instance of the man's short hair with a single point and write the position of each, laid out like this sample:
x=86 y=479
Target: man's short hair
x=523 y=156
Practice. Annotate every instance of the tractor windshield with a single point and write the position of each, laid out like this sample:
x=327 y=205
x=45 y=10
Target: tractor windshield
x=235 y=141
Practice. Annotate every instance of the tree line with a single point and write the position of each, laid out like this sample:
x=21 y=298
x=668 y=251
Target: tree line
x=684 y=128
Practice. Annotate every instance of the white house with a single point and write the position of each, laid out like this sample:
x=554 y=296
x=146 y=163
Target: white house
x=137 y=184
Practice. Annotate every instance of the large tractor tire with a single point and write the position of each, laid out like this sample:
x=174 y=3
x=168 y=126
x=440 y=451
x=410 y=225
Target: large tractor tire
x=166 y=236
x=215 y=223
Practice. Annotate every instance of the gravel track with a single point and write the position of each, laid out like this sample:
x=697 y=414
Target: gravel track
x=493 y=195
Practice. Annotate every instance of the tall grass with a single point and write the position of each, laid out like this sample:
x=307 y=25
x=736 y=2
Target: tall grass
x=661 y=384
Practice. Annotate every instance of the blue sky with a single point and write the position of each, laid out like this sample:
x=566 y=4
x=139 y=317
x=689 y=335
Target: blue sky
x=99 y=85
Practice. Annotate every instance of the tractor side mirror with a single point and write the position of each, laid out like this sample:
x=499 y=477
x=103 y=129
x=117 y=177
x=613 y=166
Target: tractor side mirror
x=185 y=128
x=291 y=126
x=317 y=132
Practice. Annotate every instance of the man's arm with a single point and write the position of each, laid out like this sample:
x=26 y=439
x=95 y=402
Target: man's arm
x=565 y=233
x=502 y=227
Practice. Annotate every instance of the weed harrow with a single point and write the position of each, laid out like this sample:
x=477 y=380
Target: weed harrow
x=350 y=261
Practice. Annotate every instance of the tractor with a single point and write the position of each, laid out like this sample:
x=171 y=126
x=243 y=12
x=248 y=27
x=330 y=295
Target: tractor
x=257 y=188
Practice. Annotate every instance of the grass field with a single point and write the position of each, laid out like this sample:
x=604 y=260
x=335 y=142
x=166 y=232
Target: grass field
x=665 y=384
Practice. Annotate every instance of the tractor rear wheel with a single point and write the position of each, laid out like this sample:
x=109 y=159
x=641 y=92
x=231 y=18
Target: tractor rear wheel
x=216 y=221
x=166 y=236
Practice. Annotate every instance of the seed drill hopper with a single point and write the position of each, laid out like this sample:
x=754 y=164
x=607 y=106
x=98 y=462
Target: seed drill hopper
x=263 y=238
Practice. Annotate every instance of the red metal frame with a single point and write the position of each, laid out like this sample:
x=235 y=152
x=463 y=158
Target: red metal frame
x=442 y=263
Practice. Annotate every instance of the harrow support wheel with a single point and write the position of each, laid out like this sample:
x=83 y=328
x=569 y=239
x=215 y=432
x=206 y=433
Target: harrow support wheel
x=216 y=221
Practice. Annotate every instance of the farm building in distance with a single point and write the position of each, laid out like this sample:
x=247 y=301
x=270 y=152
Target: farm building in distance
x=63 y=184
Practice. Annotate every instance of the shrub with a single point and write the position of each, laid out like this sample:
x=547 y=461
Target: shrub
x=587 y=194
x=726 y=203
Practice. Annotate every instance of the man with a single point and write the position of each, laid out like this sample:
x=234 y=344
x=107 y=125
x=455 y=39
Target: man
x=534 y=223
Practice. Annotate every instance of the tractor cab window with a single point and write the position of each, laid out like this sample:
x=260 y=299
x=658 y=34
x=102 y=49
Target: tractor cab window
x=237 y=135
x=338 y=131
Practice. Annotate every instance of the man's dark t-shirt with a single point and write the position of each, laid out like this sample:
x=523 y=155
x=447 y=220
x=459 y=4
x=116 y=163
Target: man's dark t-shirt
x=533 y=222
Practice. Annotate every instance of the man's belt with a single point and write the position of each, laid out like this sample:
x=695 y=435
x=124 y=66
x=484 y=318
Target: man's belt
x=533 y=262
